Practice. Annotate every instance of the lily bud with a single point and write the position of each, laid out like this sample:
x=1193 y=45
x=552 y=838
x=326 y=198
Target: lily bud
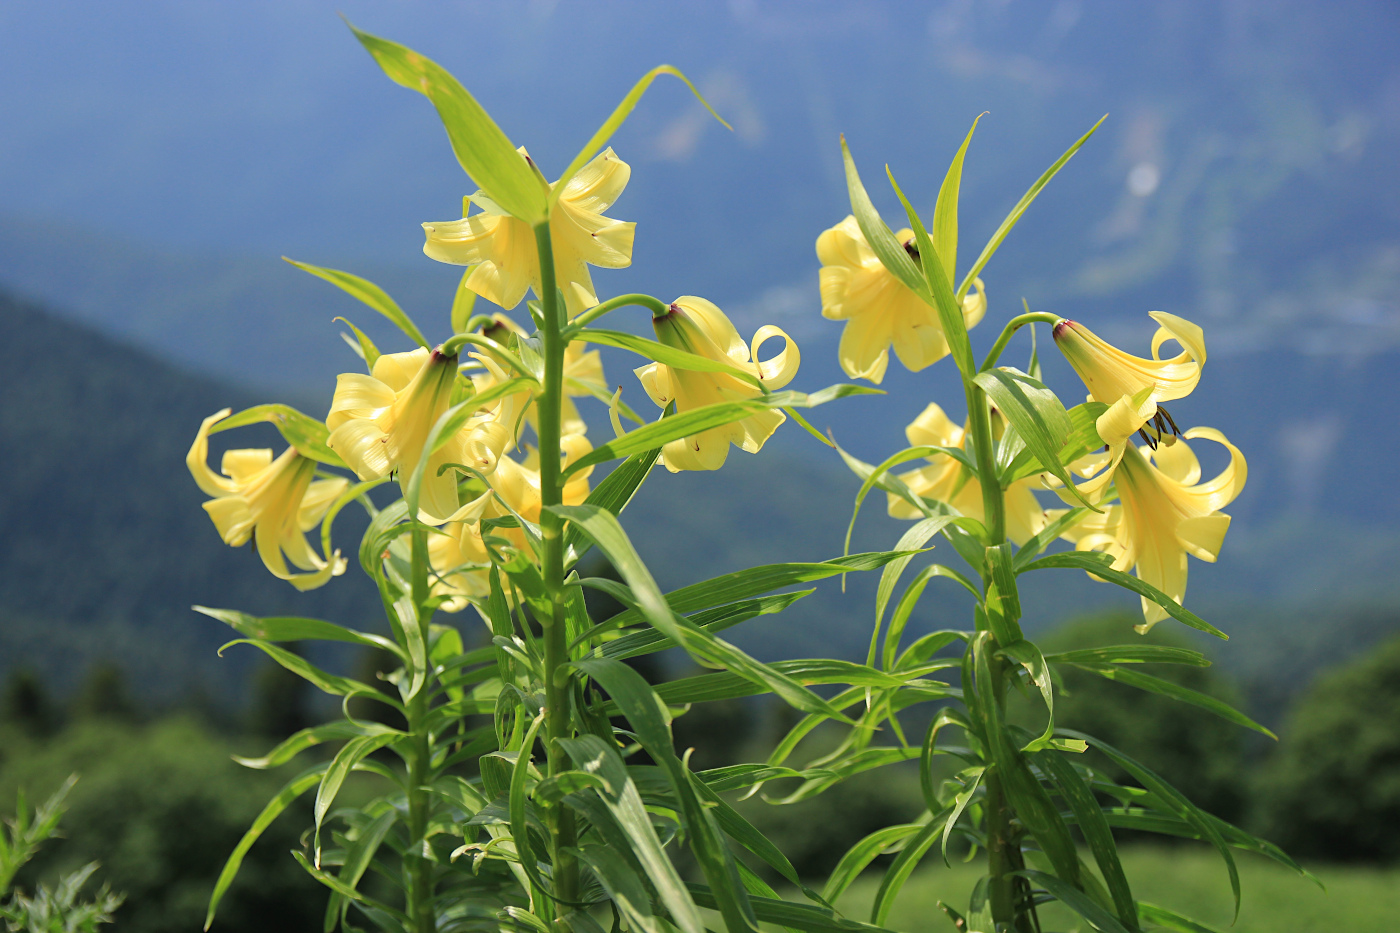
x=273 y=502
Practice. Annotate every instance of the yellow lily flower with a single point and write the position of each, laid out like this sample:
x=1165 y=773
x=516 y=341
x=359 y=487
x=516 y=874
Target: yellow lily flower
x=1130 y=386
x=274 y=502
x=379 y=424
x=945 y=480
x=458 y=554
x=697 y=326
x=880 y=311
x=1164 y=513
x=503 y=248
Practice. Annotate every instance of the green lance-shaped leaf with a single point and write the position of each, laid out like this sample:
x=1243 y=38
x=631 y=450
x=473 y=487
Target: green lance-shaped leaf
x=463 y=302
x=945 y=210
x=1101 y=566
x=1042 y=539
x=1130 y=654
x=670 y=356
x=291 y=628
x=301 y=431
x=1076 y=900
x=370 y=294
x=1019 y=209
x=905 y=607
x=333 y=684
x=628 y=893
x=878 y=235
x=1003 y=601
x=365 y=346
x=1170 y=920
x=1177 y=692
x=973 y=778
x=485 y=153
x=1080 y=797
x=900 y=870
x=1035 y=412
x=939 y=289
x=350 y=754
x=644 y=712
x=910 y=543
x=594 y=756
x=377 y=910
x=650 y=641
x=614 y=493
x=358 y=855
x=1026 y=654
x=859 y=856
x=790 y=914
x=310 y=737
x=603 y=528
x=293 y=789
x=1172 y=798
x=753 y=581
x=619 y=116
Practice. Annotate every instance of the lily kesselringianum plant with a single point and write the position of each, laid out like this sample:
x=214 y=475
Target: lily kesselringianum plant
x=1025 y=801
x=514 y=773
x=513 y=793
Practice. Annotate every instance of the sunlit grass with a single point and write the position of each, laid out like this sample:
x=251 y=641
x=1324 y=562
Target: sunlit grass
x=1189 y=880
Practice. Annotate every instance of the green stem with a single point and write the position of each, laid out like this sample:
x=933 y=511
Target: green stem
x=419 y=869
x=556 y=654
x=655 y=305
x=1013 y=325
x=980 y=427
x=1001 y=841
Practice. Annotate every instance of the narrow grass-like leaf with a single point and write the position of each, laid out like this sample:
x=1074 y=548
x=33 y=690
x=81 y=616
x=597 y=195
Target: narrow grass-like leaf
x=1095 y=828
x=1151 y=913
x=1026 y=654
x=945 y=210
x=910 y=543
x=292 y=628
x=310 y=737
x=1043 y=538
x=1100 y=565
x=369 y=293
x=1076 y=900
x=1177 y=692
x=623 y=886
x=650 y=641
x=463 y=301
x=333 y=684
x=350 y=754
x=1130 y=654
x=859 y=856
x=1173 y=798
x=900 y=870
x=293 y=789
x=905 y=607
x=1037 y=415
x=358 y=856
x=485 y=153
x=614 y=492
x=960 y=802
x=790 y=914
x=1000 y=234
x=670 y=356
x=939 y=293
x=603 y=528
x=619 y=116
x=878 y=235
x=301 y=431
x=368 y=351
x=643 y=710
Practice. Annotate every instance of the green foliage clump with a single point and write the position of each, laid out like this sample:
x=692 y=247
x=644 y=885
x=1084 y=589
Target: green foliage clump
x=1333 y=788
x=160 y=806
x=1195 y=750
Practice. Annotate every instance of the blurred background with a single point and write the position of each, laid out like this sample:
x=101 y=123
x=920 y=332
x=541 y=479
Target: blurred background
x=158 y=159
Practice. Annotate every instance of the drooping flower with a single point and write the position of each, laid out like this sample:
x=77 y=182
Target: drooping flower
x=458 y=552
x=880 y=311
x=379 y=424
x=1163 y=513
x=697 y=326
x=1133 y=388
x=274 y=502
x=503 y=248
x=947 y=480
